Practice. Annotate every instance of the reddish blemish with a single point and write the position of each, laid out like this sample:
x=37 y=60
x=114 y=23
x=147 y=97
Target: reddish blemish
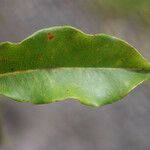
x=50 y=36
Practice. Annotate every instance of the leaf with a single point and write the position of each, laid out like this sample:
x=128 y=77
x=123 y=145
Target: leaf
x=62 y=62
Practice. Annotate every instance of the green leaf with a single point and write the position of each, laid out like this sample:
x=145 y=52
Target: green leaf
x=62 y=62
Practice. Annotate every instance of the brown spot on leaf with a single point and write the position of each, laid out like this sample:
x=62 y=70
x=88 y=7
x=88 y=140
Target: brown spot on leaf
x=50 y=36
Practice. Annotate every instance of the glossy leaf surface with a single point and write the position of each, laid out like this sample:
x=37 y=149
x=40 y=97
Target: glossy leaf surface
x=62 y=62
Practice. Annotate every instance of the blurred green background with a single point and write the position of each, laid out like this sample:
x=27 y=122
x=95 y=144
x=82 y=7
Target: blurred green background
x=124 y=125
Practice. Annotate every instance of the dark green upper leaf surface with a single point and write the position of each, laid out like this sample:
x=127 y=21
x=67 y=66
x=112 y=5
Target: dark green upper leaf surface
x=62 y=62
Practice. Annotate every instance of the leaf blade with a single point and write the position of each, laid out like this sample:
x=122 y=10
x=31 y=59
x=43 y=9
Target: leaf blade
x=62 y=62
